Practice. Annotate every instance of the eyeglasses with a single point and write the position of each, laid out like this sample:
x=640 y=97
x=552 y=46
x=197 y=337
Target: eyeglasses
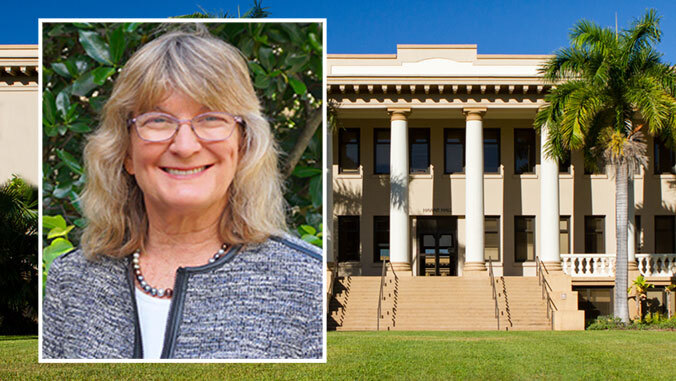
x=210 y=126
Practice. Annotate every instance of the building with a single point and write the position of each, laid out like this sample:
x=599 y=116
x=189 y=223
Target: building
x=19 y=102
x=425 y=133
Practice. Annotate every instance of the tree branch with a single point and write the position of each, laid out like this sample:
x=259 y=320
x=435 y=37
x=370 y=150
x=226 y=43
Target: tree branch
x=313 y=122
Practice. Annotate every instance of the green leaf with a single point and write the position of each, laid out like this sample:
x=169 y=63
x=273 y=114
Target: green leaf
x=298 y=86
x=314 y=43
x=80 y=127
x=312 y=239
x=303 y=172
x=256 y=68
x=70 y=161
x=84 y=85
x=266 y=57
x=83 y=25
x=59 y=232
x=51 y=222
x=49 y=107
x=307 y=229
x=117 y=44
x=95 y=47
x=58 y=247
x=63 y=102
x=295 y=62
x=80 y=222
x=129 y=27
x=61 y=69
x=102 y=73
x=316 y=191
x=261 y=82
x=62 y=190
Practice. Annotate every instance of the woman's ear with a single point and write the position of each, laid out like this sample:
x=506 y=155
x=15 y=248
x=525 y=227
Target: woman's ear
x=129 y=165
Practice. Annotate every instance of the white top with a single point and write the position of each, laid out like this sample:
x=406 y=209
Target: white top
x=152 y=315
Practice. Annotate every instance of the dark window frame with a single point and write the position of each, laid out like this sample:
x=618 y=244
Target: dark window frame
x=461 y=135
x=561 y=231
x=375 y=150
x=533 y=232
x=411 y=132
x=384 y=221
x=497 y=231
x=658 y=166
x=497 y=131
x=588 y=232
x=672 y=221
x=344 y=237
x=341 y=165
x=529 y=135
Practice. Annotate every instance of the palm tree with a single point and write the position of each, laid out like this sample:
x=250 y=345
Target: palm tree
x=611 y=89
x=18 y=257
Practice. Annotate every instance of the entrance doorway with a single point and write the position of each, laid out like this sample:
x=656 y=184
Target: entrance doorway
x=437 y=245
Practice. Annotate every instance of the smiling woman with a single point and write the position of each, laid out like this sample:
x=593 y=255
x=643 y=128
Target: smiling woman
x=185 y=253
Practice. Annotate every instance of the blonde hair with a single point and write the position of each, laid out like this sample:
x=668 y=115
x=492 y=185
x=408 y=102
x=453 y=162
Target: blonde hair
x=214 y=74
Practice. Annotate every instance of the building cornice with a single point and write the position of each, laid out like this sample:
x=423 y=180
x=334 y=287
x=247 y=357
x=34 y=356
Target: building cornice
x=18 y=61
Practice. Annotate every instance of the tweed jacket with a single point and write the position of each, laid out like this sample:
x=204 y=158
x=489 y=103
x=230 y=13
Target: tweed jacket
x=259 y=301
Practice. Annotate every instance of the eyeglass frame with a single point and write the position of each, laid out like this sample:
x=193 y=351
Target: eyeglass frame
x=238 y=119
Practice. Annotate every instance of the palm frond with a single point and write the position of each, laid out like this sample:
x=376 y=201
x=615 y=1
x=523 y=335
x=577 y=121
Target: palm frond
x=648 y=96
x=644 y=32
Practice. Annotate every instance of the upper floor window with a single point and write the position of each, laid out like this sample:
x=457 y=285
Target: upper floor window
x=524 y=150
x=454 y=150
x=665 y=160
x=419 y=150
x=381 y=149
x=564 y=234
x=664 y=234
x=348 y=151
x=491 y=150
x=594 y=237
x=492 y=238
x=348 y=238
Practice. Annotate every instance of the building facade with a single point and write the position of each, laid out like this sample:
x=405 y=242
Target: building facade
x=19 y=101
x=436 y=165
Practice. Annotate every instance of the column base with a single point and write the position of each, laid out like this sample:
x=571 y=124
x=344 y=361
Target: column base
x=401 y=268
x=474 y=268
x=553 y=266
x=632 y=266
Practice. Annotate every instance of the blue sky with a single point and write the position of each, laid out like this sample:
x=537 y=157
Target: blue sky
x=517 y=27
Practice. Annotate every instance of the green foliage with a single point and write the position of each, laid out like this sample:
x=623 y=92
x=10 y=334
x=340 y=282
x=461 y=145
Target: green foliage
x=18 y=257
x=82 y=60
x=606 y=323
x=652 y=321
x=54 y=228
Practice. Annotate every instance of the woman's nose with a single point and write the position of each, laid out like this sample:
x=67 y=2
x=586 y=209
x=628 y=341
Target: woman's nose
x=185 y=142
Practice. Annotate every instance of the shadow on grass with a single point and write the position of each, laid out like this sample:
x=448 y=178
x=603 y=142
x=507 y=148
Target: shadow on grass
x=22 y=337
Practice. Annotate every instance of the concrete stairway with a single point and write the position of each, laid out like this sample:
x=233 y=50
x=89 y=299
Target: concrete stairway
x=521 y=305
x=436 y=303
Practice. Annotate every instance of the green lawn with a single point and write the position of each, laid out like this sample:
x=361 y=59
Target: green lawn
x=406 y=355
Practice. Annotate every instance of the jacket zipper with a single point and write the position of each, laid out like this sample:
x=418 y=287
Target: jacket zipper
x=175 y=313
x=138 y=344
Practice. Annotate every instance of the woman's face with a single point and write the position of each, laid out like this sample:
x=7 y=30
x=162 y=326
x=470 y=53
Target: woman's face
x=184 y=174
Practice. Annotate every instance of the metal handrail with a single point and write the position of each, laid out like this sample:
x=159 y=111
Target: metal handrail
x=542 y=281
x=495 y=293
x=382 y=285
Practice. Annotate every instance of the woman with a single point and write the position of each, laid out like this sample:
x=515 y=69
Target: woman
x=184 y=254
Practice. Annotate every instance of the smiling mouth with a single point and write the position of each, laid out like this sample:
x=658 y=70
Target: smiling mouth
x=185 y=172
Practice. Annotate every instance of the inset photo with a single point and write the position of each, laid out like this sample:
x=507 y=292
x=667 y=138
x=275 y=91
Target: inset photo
x=182 y=190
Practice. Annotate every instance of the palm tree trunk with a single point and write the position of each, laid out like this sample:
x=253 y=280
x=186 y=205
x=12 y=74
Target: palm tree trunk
x=621 y=212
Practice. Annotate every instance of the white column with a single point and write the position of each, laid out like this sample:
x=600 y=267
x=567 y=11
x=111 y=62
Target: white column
x=474 y=191
x=631 y=233
x=328 y=212
x=399 y=226
x=550 y=251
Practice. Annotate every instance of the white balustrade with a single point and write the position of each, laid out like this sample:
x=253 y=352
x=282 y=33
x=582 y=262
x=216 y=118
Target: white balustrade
x=588 y=265
x=656 y=264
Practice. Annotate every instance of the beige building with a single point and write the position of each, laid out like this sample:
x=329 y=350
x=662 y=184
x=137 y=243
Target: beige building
x=19 y=112
x=436 y=164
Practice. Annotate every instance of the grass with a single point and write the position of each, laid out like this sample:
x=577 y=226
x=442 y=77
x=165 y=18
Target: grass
x=405 y=355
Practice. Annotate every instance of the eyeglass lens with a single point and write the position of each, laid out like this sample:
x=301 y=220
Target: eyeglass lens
x=209 y=126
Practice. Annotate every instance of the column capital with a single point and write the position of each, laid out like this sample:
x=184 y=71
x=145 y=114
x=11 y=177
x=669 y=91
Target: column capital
x=474 y=113
x=398 y=113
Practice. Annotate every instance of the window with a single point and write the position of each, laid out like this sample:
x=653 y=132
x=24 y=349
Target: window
x=419 y=150
x=664 y=234
x=348 y=238
x=454 y=150
x=664 y=158
x=492 y=238
x=349 y=150
x=524 y=238
x=564 y=234
x=492 y=150
x=524 y=150
x=638 y=234
x=381 y=238
x=381 y=140
x=594 y=238
x=594 y=301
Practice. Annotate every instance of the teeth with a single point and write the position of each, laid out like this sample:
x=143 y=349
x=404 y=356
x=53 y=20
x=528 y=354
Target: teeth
x=180 y=172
